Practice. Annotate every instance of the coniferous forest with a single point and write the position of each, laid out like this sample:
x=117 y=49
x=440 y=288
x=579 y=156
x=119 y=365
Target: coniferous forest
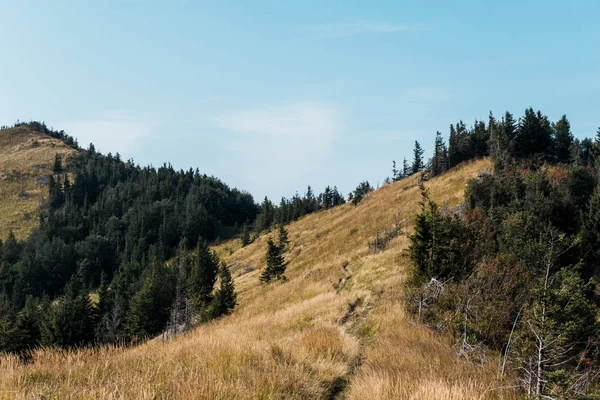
x=514 y=269
x=137 y=237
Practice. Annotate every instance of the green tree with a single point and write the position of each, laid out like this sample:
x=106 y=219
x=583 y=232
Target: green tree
x=72 y=322
x=57 y=167
x=245 y=237
x=203 y=272
x=150 y=306
x=563 y=140
x=284 y=241
x=417 y=164
x=225 y=298
x=275 y=263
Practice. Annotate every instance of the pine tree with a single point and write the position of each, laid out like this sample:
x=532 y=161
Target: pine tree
x=73 y=319
x=203 y=275
x=150 y=306
x=225 y=298
x=405 y=168
x=245 y=237
x=395 y=173
x=439 y=162
x=28 y=324
x=7 y=327
x=418 y=159
x=57 y=167
x=275 y=263
x=283 y=238
x=563 y=140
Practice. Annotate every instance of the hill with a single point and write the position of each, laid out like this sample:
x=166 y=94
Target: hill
x=26 y=159
x=337 y=327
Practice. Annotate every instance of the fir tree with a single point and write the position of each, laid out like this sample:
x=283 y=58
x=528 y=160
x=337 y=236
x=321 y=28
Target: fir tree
x=150 y=306
x=417 y=164
x=203 y=275
x=405 y=168
x=245 y=237
x=395 y=173
x=57 y=167
x=73 y=319
x=275 y=263
x=283 y=238
x=563 y=140
x=225 y=298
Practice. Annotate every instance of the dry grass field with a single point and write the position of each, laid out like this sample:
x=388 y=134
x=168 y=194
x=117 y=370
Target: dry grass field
x=335 y=329
x=25 y=157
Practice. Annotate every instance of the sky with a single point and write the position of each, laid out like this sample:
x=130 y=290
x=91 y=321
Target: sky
x=273 y=96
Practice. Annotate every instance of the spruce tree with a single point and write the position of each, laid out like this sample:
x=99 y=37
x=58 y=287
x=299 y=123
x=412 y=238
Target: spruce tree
x=395 y=173
x=28 y=324
x=283 y=238
x=418 y=158
x=563 y=140
x=405 y=168
x=202 y=275
x=57 y=167
x=225 y=298
x=150 y=306
x=245 y=237
x=73 y=319
x=275 y=263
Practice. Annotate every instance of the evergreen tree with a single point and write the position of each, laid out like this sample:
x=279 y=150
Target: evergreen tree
x=283 y=238
x=275 y=263
x=225 y=298
x=72 y=322
x=8 y=332
x=405 y=168
x=563 y=140
x=57 y=167
x=150 y=306
x=417 y=164
x=202 y=275
x=245 y=237
x=439 y=162
x=28 y=324
x=395 y=173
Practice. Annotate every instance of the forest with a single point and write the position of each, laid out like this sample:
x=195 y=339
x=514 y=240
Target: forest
x=513 y=270
x=135 y=237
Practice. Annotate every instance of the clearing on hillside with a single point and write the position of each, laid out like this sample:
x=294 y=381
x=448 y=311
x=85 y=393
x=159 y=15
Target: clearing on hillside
x=26 y=159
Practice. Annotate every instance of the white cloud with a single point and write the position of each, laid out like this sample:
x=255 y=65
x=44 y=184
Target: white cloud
x=345 y=29
x=281 y=143
x=112 y=132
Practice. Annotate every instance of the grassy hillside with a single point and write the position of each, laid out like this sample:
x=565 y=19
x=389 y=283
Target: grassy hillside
x=25 y=158
x=335 y=329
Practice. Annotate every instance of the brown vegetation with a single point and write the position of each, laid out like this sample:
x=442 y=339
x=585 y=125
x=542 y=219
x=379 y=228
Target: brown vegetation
x=335 y=328
x=26 y=157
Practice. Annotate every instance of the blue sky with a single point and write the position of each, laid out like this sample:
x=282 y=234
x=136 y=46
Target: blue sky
x=272 y=96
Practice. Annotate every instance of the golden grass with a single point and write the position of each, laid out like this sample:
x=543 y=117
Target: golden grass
x=31 y=154
x=335 y=328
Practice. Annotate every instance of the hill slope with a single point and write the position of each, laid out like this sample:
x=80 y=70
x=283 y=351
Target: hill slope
x=26 y=157
x=335 y=328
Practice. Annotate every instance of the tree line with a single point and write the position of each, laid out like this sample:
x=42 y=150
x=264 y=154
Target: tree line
x=514 y=268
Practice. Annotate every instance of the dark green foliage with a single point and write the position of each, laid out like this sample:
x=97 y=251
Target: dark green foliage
x=225 y=298
x=203 y=270
x=284 y=241
x=360 y=192
x=57 y=166
x=150 y=306
x=245 y=236
x=437 y=248
x=563 y=140
x=418 y=163
x=275 y=263
x=72 y=320
x=439 y=162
